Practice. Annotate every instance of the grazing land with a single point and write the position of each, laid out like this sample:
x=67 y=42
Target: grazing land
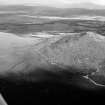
x=52 y=55
x=71 y=40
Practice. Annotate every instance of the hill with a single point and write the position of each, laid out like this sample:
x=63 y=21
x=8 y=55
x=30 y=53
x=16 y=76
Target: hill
x=51 y=11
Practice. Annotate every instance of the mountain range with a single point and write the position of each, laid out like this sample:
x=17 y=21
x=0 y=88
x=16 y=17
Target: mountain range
x=72 y=10
x=86 y=5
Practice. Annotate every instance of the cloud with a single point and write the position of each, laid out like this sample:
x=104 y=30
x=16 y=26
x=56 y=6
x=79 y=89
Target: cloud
x=40 y=1
x=101 y=2
x=50 y=2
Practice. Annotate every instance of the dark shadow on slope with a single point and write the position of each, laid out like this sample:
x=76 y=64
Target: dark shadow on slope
x=46 y=87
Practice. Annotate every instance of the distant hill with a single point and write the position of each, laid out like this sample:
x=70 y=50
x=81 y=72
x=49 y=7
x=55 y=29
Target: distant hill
x=83 y=9
x=86 y=5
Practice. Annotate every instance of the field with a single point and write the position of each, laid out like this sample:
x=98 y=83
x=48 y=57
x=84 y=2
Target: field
x=24 y=25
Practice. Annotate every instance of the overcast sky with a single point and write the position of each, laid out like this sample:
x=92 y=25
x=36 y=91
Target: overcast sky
x=50 y=2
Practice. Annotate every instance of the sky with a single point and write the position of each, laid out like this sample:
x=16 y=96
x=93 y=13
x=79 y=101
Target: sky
x=59 y=3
